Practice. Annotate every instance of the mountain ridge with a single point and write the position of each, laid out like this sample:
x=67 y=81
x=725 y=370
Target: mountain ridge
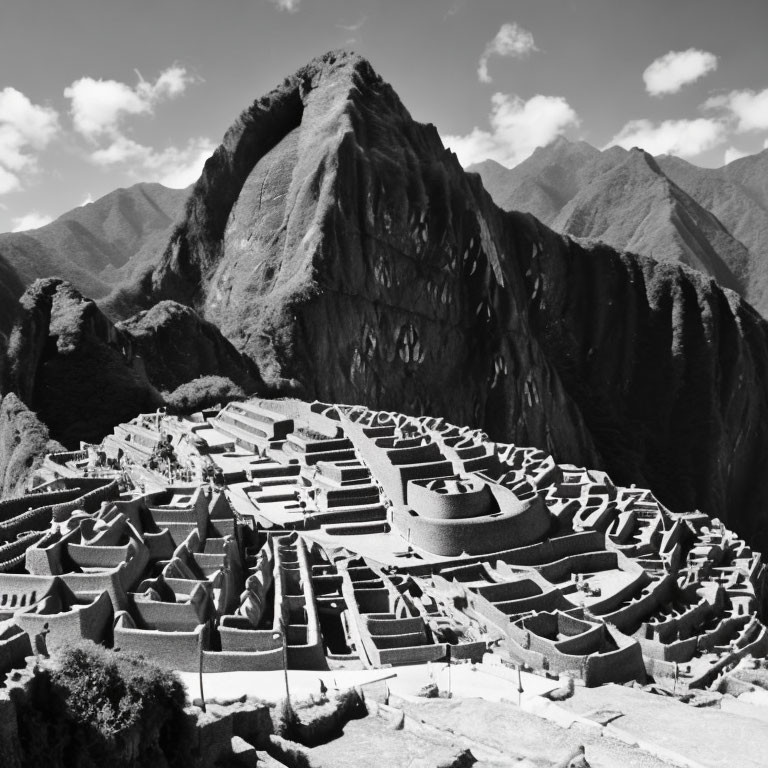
x=715 y=220
x=97 y=245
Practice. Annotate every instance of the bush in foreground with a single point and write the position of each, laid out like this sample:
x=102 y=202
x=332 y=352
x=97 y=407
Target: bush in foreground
x=96 y=707
x=115 y=693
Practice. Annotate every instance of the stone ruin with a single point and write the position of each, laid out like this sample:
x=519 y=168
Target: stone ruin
x=333 y=535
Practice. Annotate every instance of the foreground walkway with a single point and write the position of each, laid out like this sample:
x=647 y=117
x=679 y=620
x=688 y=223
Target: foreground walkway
x=706 y=736
x=485 y=681
x=505 y=729
x=620 y=726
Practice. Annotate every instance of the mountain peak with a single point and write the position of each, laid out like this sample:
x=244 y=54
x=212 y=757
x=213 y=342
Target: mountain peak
x=638 y=154
x=331 y=226
x=335 y=103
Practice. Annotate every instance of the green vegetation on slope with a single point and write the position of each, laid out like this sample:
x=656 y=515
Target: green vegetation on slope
x=24 y=441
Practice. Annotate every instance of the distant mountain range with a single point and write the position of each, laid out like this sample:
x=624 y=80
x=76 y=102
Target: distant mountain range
x=98 y=245
x=714 y=220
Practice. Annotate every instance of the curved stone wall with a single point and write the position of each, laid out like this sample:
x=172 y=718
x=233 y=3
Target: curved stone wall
x=475 y=536
x=450 y=498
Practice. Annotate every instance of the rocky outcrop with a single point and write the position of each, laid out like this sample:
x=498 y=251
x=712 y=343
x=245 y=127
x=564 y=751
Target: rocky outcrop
x=70 y=364
x=338 y=244
x=11 y=289
x=24 y=441
x=82 y=374
x=176 y=346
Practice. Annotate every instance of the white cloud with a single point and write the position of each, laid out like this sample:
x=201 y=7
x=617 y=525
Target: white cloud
x=99 y=106
x=517 y=128
x=180 y=167
x=31 y=220
x=171 y=82
x=731 y=154
x=8 y=181
x=121 y=150
x=99 y=111
x=685 y=138
x=286 y=5
x=25 y=129
x=23 y=126
x=765 y=144
x=87 y=199
x=669 y=73
x=748 y=108
x=174 y=166
x=511 y=40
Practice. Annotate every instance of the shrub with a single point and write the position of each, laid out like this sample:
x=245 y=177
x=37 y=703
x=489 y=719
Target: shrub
x=119 y=704
x=203 y=392
x=115 y=691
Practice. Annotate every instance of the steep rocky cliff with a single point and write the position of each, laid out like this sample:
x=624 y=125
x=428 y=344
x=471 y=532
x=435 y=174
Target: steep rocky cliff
x=670 y=372
x=338 y=244
x=24 y=439
x=11 y=289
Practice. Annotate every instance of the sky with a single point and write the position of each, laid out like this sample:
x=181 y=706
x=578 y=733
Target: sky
x=101 y=94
